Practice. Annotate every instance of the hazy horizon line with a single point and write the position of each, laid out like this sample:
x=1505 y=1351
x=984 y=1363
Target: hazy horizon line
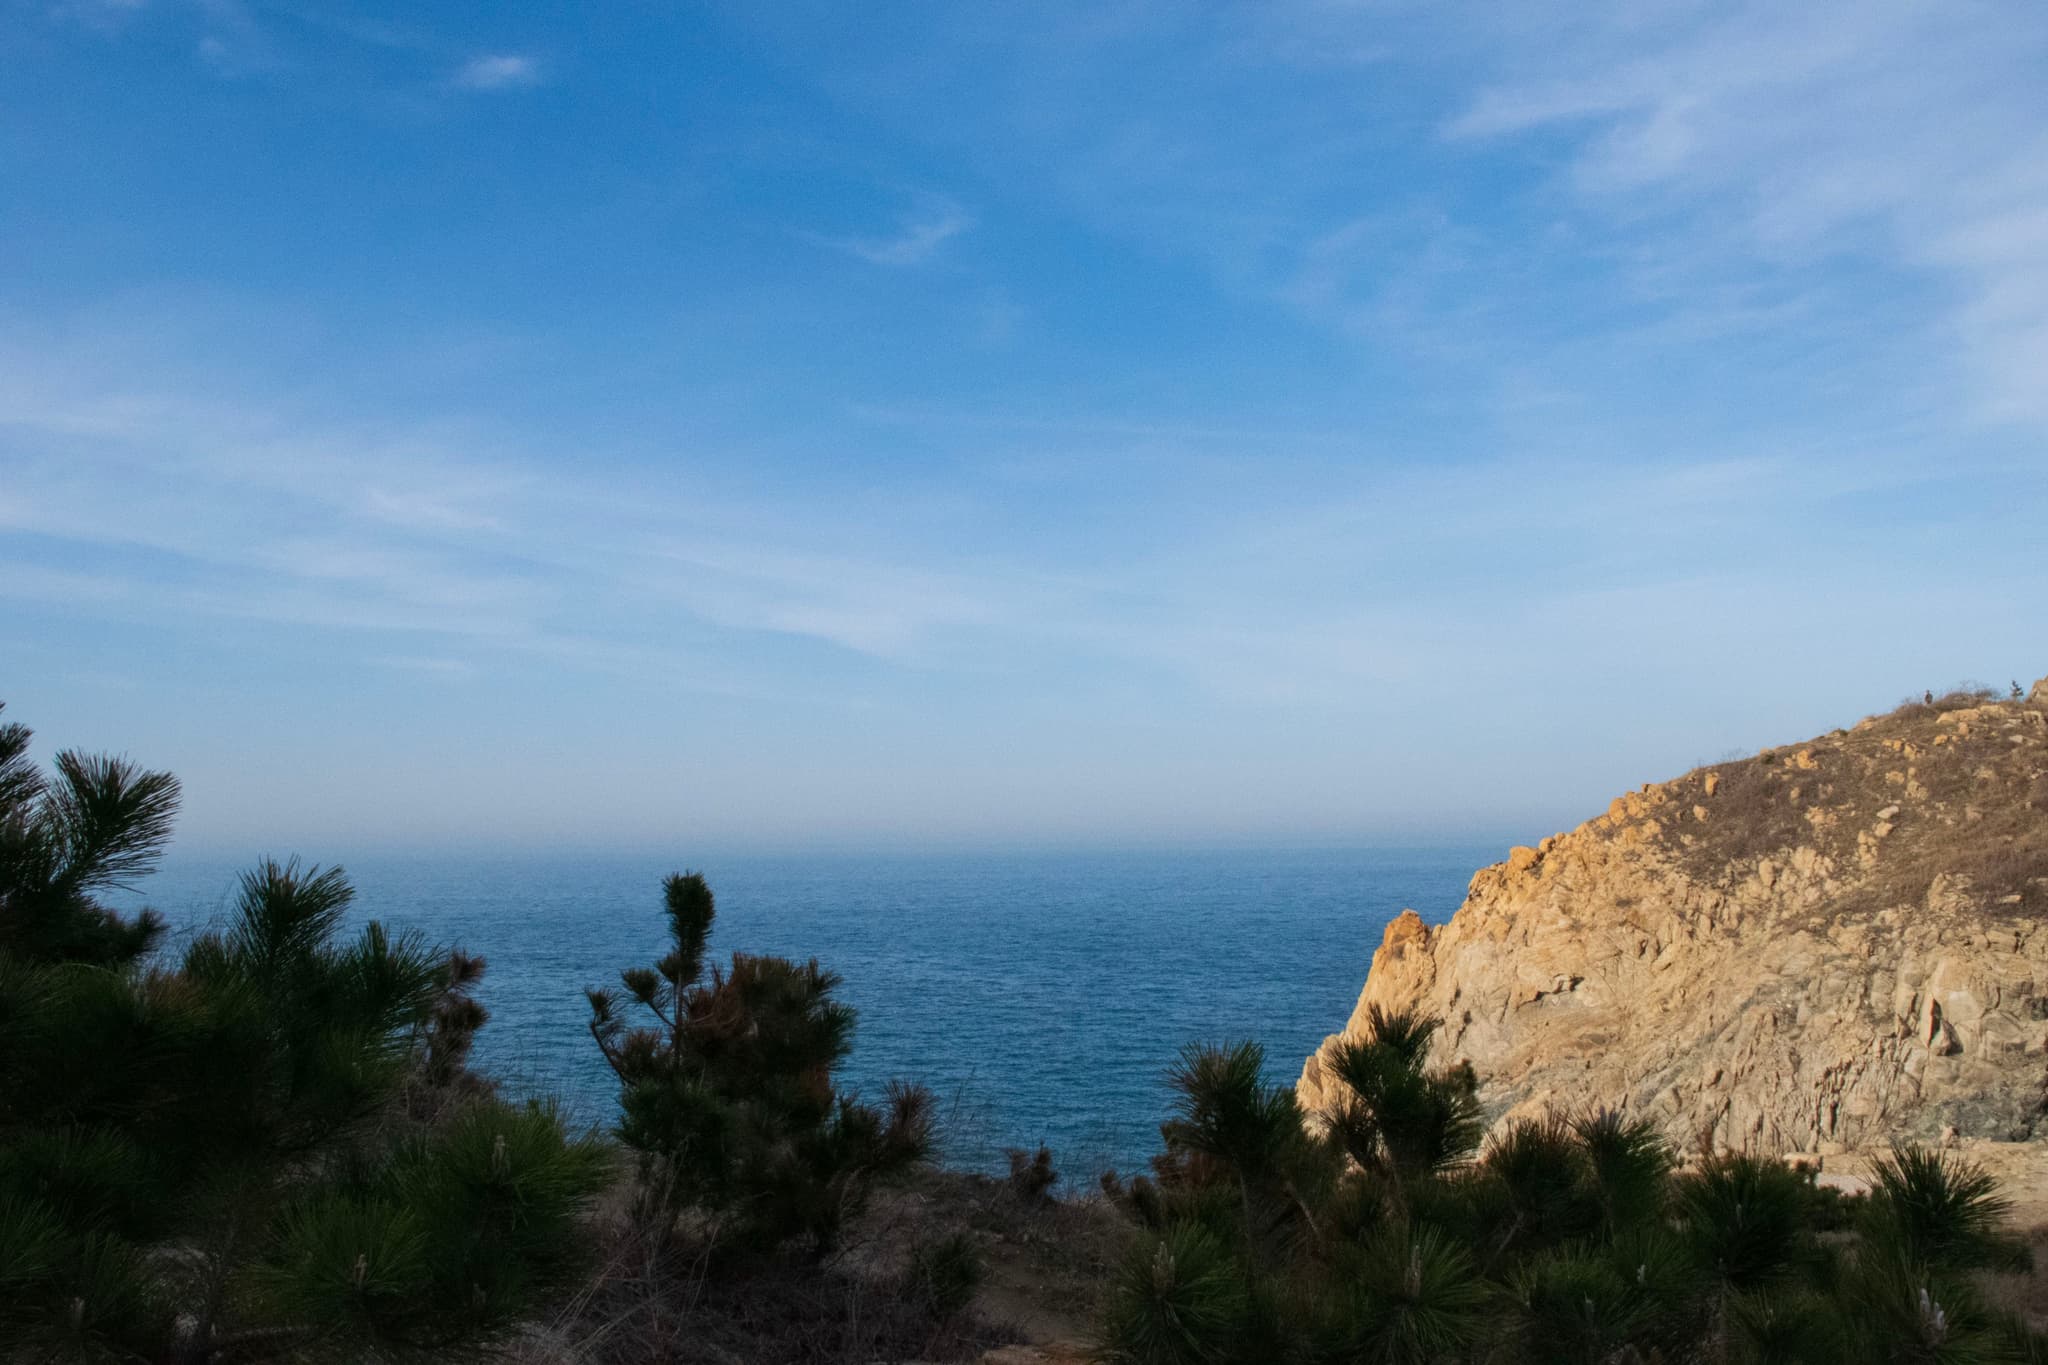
x=212 y=851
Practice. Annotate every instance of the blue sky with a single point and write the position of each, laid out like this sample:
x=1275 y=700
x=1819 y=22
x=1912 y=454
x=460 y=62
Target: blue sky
x=699 y=425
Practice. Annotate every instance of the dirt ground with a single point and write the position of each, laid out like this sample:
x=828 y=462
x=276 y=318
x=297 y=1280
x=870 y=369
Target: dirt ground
x=1045 y=1261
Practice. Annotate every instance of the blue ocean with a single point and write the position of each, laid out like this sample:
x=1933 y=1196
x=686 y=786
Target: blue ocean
x=1041 y=996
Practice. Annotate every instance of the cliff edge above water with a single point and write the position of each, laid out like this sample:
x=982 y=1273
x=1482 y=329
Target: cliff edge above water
x=1822 y=948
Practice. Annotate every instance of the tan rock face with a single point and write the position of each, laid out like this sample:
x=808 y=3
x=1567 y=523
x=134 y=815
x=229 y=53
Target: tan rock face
x=1818 y=948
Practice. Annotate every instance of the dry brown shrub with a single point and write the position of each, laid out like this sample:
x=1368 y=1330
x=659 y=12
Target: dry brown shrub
x=1032 y=1175
x=1751 y=814
x=2022 y=1292
x=2015 y=868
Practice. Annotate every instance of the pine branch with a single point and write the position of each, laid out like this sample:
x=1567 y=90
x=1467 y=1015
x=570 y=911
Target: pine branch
x=112 y=819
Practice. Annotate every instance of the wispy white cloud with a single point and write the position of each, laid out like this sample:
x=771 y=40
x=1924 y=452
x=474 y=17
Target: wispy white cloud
x=885 y=609
x=428 y=510
x=1235 y=582
x=451 y=669
x=935 y=220
x=498 y=71
x=1892 y=133
x=1820 y=178
x=269 y=514
x=101 y=14
x=1219 y=606
x=24 y=580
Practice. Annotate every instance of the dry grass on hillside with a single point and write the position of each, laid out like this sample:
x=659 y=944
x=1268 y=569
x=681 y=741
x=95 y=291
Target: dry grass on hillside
x=1957 y=787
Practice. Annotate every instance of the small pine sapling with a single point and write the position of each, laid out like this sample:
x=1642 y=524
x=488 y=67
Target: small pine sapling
x=727 y=1094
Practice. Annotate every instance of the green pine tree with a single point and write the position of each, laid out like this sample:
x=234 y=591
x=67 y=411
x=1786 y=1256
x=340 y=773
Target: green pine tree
x=727 y=1091
x=267 y=1148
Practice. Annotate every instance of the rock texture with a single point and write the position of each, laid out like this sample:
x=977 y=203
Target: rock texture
x=1818 y=949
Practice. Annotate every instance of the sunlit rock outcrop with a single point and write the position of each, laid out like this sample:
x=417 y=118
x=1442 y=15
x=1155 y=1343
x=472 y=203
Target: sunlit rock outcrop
x=1820 y=948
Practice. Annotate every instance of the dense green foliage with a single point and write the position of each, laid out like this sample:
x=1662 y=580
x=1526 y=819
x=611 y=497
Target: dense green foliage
x=265 y=1147
x=728 y=1095
x=1386 y=1233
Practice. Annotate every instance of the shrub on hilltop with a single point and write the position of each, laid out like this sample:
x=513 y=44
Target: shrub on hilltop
x=267 y=1147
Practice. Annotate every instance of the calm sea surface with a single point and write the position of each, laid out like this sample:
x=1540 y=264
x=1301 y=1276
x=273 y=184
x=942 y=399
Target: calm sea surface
x=1040 y=995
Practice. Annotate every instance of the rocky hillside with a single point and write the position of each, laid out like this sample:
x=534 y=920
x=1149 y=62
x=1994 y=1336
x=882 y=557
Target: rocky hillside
x=1817 y=949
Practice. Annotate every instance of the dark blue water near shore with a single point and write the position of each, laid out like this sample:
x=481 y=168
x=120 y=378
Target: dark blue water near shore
x=1040 y=995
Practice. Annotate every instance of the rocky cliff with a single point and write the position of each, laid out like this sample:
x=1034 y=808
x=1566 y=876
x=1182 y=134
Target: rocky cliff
x=1816 y=949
